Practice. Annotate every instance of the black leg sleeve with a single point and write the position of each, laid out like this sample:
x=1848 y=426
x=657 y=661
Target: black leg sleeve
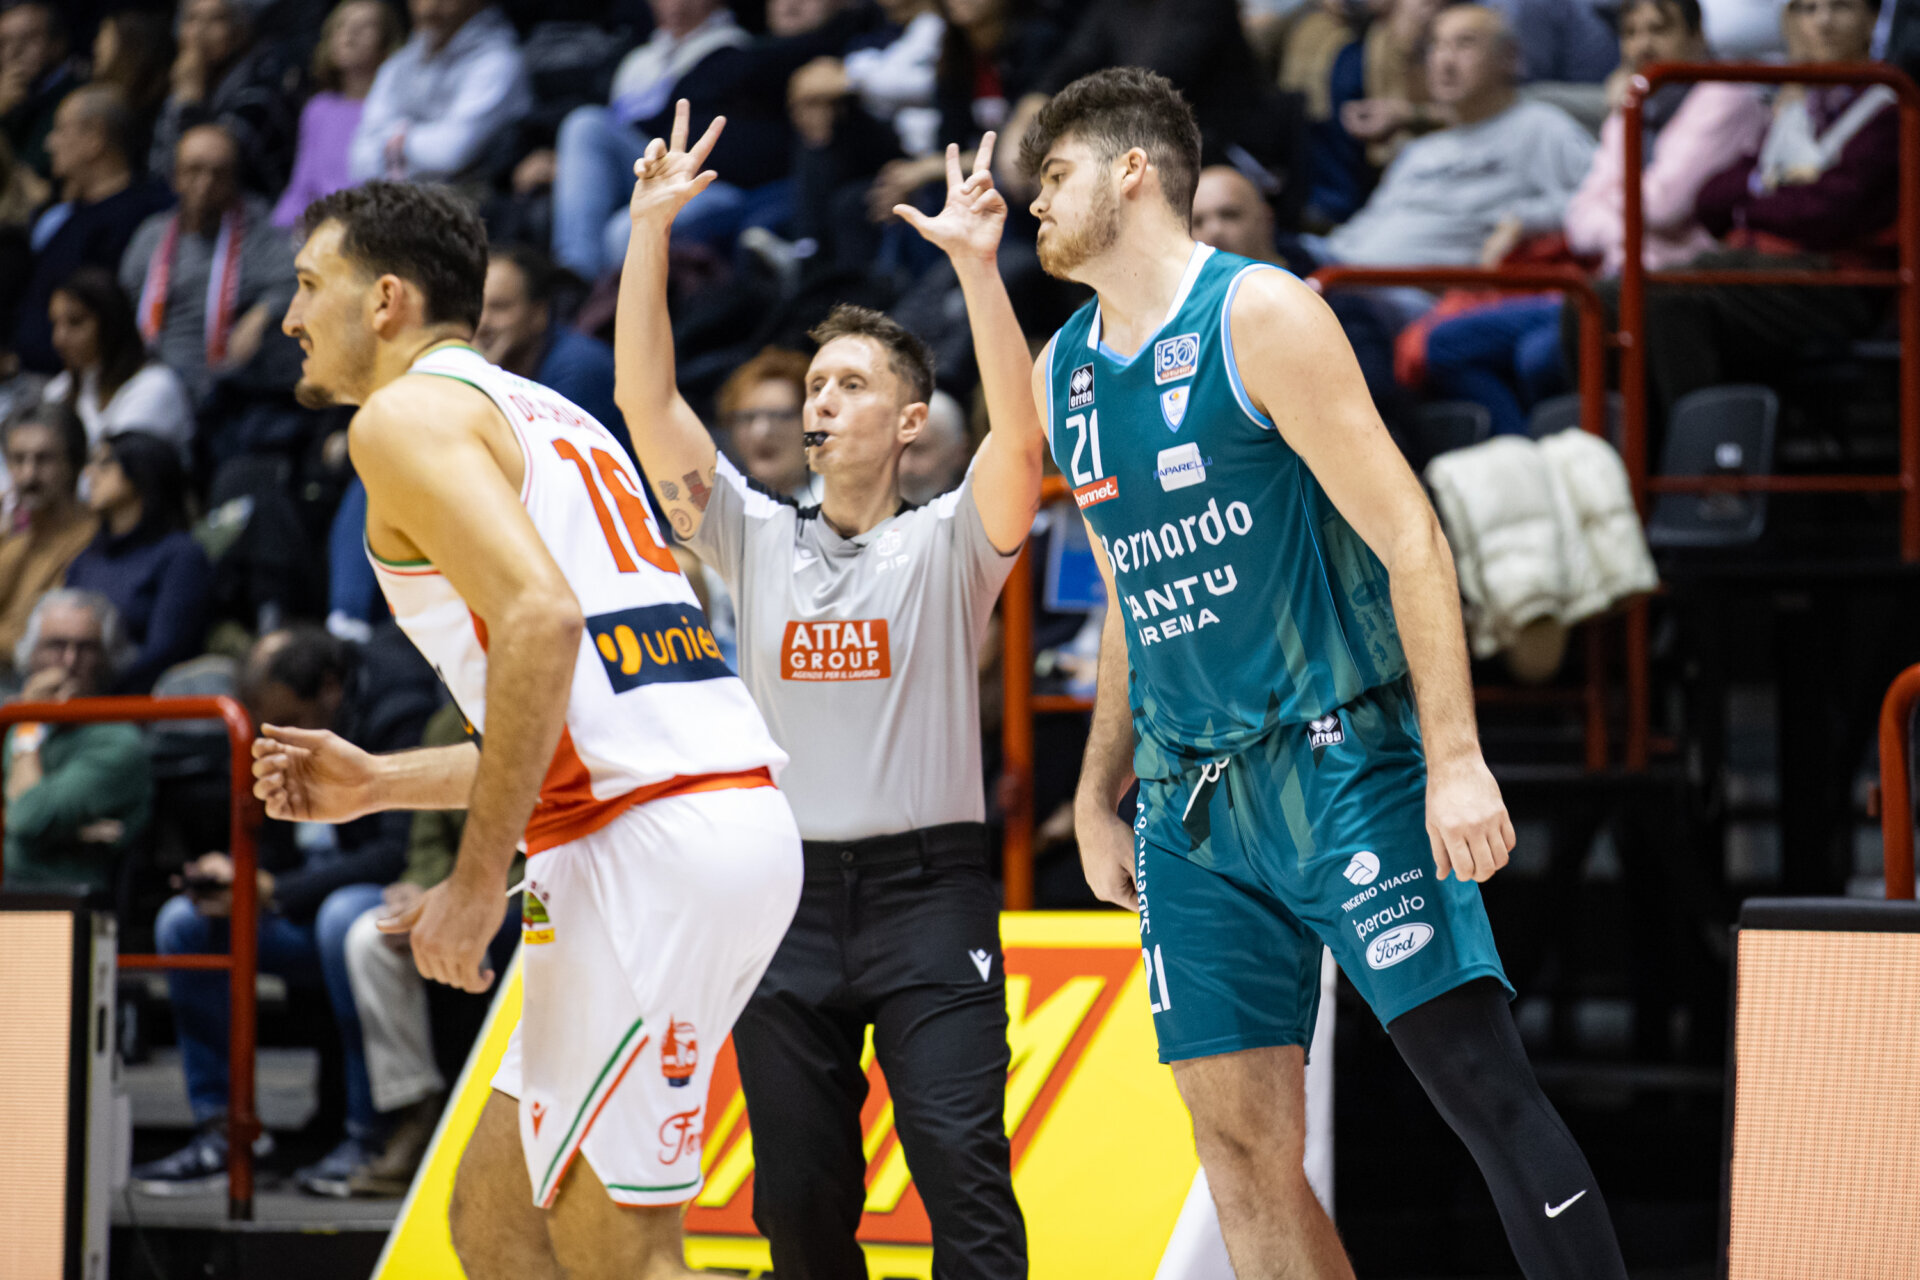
x=1463 y=1048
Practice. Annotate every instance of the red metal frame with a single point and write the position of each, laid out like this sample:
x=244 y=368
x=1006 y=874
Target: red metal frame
x=243 y=1125
x=1017 y=606
x=1896 y=796
x=1634 y=279
x=1016 y=725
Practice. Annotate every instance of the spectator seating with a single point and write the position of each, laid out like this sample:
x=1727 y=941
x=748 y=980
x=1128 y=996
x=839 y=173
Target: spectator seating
x=1721 y=432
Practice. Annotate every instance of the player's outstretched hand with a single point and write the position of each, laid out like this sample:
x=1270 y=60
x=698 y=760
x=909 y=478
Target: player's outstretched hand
x=1106 y=856
x=1467 y=820
x=670 y=173
x=450 y=926
x=310 y=775
x=969 y=223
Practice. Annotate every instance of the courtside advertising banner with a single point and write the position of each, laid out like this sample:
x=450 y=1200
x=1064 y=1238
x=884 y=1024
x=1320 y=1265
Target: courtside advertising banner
x=1102 y=1151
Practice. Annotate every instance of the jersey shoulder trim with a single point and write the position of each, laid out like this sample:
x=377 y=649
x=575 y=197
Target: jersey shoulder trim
x=1046 y=375
x=1240 y=395
x=420 y=568
x=526 y=451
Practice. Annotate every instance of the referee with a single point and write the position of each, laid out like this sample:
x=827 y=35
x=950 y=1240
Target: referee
x=859 y=625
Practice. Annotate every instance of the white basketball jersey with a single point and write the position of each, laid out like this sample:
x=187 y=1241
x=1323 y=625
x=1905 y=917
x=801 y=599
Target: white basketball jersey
x=654 y=710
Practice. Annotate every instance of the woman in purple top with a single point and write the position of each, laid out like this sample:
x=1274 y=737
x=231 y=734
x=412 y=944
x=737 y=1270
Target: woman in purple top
x=356 y=38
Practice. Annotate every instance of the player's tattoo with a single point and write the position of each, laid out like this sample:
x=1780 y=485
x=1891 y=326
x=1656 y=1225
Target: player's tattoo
x=682 y=522
x=699 y=493
x=669 y=491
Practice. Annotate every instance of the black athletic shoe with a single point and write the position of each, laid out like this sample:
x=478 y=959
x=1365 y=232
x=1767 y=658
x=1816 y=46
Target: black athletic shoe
x=199 y=1168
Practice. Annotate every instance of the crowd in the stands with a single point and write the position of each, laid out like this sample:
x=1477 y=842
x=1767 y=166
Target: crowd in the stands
x=174 y=522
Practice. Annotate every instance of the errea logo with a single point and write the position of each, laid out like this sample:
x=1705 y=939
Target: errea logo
x=1325 y=732
x=1080 y=387
x=1362 y=868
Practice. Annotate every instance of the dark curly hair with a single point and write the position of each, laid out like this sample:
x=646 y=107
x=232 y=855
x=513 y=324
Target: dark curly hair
x=1115 y=110
x=425 y=234
x=907 y=355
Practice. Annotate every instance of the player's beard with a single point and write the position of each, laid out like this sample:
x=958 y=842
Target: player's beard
x=1064 y=252
x=311 y=395
x=353 y=351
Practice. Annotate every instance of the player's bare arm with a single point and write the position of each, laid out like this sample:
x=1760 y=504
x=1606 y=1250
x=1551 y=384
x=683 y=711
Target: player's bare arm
x=314 y=775
x=1007 y=470
x=673 y=445
x=443 y=471
x=1302 y=374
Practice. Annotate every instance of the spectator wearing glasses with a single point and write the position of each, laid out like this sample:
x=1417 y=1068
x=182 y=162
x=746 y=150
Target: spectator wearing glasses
x=213 y=277
x=77 y=794
x=760 y=411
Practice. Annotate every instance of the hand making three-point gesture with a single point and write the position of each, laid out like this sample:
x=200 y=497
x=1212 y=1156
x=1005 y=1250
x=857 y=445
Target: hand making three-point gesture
x=969 y=223
x=669 y=174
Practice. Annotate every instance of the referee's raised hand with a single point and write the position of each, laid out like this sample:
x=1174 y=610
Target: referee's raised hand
x=669 y=174
x=969 y=223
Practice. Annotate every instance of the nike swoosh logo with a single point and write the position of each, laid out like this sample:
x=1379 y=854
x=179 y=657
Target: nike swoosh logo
x=1555 y=1210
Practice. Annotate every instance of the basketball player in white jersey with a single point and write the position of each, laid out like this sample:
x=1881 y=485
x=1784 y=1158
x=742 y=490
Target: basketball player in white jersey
x=510 y=537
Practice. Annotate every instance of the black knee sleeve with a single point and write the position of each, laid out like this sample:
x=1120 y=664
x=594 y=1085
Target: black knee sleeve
x=1463 y=1048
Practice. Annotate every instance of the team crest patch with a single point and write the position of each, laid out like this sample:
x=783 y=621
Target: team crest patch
x=1176 y=357
x=536 y=926
x=679 y=1053
x=1173 y=406
x=1326 y=732
x=1080 y=387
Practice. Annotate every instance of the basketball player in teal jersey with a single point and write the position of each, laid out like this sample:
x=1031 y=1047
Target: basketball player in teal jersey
x=1284 y=627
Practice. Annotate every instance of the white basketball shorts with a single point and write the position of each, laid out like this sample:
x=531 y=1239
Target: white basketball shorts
x=640 y=944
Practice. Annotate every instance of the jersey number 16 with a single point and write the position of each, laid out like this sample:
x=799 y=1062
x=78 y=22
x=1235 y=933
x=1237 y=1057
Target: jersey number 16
x=632 y=507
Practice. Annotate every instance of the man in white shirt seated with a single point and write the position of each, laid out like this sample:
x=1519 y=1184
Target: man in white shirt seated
x=455 y=89
x=1505 y=169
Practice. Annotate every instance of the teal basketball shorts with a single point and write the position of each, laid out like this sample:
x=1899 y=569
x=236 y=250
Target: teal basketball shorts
x=1317 y=834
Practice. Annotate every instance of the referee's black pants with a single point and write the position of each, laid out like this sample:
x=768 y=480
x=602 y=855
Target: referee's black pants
x=893 y=932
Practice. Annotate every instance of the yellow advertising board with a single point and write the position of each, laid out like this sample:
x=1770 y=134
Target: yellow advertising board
x=1102 y=1153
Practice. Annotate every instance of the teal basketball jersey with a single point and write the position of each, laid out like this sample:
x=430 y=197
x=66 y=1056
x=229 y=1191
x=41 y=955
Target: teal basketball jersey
x=1249 y=602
